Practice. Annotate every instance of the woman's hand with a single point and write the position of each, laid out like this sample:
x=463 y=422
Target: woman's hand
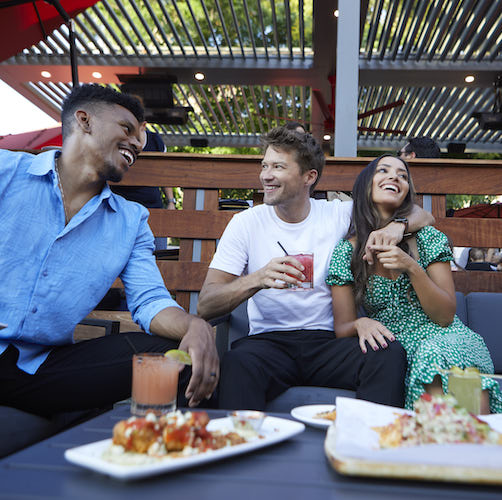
x=391 y=234
x=373 y=332
x=393 y=257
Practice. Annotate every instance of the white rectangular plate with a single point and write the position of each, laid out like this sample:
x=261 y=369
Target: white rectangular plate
x=273 y=431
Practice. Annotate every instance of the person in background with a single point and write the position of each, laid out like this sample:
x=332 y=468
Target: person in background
x=61 y=251
x=295 y=126
x=494 y=257
x=291 y=340
x=477 y=261
x=419 y=147
x=407 y=293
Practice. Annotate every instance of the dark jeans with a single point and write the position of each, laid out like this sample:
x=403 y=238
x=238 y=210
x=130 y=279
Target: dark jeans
x=90 y=374
x=260 y=367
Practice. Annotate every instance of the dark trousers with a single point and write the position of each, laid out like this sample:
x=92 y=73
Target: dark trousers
x=90 y=374
x=260 y=367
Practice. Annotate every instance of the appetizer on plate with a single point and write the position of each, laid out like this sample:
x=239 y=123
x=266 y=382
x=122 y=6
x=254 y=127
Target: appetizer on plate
x=169 y=436
x=437 y=420
x=326 y=415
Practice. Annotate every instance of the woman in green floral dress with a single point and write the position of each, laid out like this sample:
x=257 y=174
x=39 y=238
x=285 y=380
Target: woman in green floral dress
x=407 y=292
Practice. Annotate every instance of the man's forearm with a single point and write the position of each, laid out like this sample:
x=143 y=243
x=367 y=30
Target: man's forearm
x=217 y=299
x=171 y=322
x=419 y=218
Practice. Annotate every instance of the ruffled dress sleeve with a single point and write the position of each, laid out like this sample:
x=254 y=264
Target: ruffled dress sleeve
x=339 y=272
x=433 y=246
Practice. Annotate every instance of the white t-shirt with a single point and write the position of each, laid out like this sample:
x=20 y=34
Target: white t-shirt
x=250 y=242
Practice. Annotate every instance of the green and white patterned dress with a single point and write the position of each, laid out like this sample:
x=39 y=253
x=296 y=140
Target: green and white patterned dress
x=395 y=304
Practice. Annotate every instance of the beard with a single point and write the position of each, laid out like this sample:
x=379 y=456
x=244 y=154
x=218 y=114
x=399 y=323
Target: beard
x=112 y=173
x=274 y=199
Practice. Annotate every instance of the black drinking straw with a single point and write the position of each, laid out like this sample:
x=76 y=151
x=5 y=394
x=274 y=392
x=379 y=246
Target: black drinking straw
x=283 y=249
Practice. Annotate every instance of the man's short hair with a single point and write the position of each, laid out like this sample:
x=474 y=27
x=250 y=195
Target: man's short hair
x=92 y=94
x=423 y=147
x=309 y=154
x=295 y=126
x=476 y=254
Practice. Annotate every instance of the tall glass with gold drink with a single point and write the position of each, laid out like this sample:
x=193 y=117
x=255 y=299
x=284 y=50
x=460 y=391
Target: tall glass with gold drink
x=465 y=386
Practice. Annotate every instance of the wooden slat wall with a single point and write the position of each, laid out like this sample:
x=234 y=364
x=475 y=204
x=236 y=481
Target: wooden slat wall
x=213 y=172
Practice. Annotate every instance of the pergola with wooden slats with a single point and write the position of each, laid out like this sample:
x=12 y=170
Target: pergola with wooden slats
x=264 y=59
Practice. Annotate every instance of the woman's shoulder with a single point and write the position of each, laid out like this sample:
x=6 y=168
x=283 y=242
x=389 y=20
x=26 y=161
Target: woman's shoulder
x=433 y=245
x=429 y=233
x=345 y=245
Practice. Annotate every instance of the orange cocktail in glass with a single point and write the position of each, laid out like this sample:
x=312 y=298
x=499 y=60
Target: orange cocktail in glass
x=154 y=383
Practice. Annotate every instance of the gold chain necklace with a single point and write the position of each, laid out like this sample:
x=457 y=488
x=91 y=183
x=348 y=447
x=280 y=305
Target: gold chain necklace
x=61 y=189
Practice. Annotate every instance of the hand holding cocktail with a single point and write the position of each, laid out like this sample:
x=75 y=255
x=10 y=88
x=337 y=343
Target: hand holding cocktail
x=306 y=265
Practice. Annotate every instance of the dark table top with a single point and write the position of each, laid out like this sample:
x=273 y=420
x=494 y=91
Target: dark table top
x=293 y=469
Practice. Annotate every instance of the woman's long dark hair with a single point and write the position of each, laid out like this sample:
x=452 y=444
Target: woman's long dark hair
x=366 y=218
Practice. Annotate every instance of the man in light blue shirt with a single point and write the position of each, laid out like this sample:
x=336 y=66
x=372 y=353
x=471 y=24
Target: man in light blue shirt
x=65 y=239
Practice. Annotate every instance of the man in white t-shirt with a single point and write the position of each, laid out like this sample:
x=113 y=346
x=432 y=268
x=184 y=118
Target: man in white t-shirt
x=291 y=340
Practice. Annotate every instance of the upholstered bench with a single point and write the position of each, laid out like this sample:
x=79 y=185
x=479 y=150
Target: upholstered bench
x=482 y=312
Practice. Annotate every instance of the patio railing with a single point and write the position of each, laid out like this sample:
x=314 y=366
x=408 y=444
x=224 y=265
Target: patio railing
x=200 y=223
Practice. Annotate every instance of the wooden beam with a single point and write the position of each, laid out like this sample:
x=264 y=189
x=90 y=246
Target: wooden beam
x=179 y=276
x=466 y=232
x=435 y=176
x=200 y=224
x=477 y=281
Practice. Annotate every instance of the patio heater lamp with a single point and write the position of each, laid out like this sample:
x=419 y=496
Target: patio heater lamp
x=492 y=120
x=157 y=95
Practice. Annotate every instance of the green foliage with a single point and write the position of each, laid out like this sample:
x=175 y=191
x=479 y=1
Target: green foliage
x=215 y=150
x=165 y=20
x=237 y=194
x=188 y=27
x=456 y=201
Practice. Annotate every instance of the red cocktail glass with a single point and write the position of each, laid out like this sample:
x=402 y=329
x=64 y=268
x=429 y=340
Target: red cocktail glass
x=307 y=260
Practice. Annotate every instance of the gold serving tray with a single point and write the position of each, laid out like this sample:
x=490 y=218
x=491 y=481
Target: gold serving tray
x=416 y=472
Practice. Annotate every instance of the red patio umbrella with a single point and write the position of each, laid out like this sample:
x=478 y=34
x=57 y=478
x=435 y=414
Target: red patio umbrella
x=485 y=210
x=37 y=139
x=23 y=23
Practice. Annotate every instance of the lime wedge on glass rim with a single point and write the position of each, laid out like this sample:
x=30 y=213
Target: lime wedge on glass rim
x=180 y=356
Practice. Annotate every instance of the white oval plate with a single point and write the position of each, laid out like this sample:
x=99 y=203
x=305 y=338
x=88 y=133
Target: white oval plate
x=306 y=415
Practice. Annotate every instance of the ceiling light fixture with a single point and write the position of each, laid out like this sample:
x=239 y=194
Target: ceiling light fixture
x=326 y=137
x=469 y=78
x=45 y=74
x=199 y=76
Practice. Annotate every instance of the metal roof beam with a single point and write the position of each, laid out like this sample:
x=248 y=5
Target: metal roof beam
x=425 y=73
x=259 y=72
x=386 y=145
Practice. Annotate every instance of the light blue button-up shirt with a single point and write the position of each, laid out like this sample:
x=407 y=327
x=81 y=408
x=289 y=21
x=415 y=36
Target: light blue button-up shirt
x=51 y=275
